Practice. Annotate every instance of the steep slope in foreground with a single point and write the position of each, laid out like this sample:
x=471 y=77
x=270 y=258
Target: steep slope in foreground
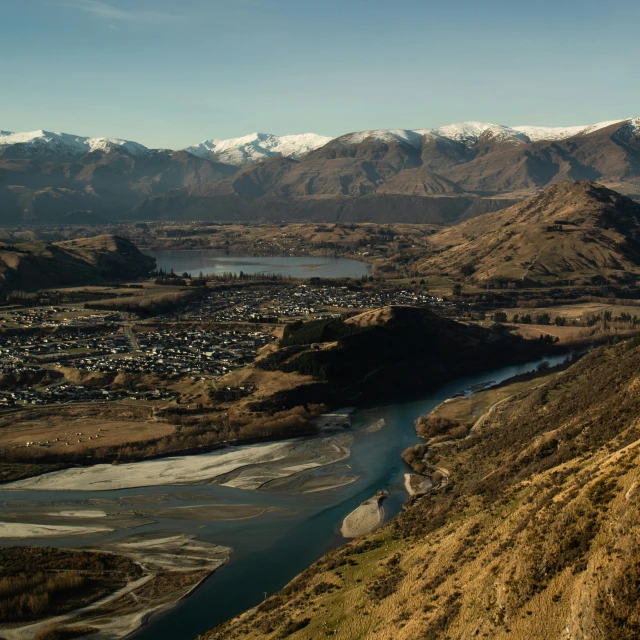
x=578 y=231
x=35 y=265
x=536 y=535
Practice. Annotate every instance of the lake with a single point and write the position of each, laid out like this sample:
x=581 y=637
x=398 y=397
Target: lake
x=215 y=263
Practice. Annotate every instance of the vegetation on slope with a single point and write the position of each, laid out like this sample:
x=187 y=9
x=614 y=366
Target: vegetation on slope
x=536 y=534
x=393 y=351
x=37 y=582
x=572 y=233
x=37 y=265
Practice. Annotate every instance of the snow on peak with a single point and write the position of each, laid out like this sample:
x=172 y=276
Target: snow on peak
x=470 y=132
x=536 y=134
x=258 y=146
x=634 y=125
x=465 y=132
x=404 y=136
x=48 y=143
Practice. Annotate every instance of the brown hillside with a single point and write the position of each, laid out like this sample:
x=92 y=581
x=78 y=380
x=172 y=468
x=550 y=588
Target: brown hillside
x=397 y=316
x=535 y=535
x=368 y=177
x=573 y=231
x=38 y=265
x=419 y=182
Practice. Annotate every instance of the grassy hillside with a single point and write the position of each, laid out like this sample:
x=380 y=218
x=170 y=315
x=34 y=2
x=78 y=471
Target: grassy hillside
x=36 y=265
x=536 y=535
x=578 y=232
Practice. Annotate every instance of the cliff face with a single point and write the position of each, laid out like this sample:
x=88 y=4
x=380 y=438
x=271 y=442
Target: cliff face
x=29 y=266
x=535 y=535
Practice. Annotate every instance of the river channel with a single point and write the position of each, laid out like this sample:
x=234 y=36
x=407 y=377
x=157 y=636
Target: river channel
x=270 y=549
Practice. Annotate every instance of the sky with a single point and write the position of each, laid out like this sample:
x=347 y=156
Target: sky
x=170 y=73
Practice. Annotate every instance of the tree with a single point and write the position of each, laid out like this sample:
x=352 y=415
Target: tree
x=499 y=316
x=543 y=318
x=456 y=289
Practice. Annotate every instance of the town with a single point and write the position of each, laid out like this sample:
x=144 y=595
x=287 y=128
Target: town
x=202 y=339
x=263 y=304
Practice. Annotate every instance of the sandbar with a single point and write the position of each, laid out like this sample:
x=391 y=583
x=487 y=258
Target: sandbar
x=365 y=519
x=242 y=467
x=30 y=530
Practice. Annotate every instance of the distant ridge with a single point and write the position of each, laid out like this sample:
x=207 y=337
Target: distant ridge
x=256 y=147
x=442 y=175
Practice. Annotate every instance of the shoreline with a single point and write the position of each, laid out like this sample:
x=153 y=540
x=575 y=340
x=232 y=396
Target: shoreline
x=376 y=519
x=243 y=467
x=127 y=610
x=366 y=518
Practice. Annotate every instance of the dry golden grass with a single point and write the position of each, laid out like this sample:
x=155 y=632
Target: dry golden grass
x=579 y=311
x=523 y=243
x=467 y=411
x=103 y=432
x=573 y=335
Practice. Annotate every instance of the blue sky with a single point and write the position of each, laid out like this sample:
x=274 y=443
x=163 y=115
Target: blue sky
x=170 y=73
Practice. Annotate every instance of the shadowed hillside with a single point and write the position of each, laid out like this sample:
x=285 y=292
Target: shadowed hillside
x=392 y=352
x=37 y=265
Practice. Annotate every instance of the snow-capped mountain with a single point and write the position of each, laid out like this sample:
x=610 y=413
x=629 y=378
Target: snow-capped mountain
x=409 y=174
x=535 y=134
x=469 y=133
x=63 y=145
x=403 y=136
x=258 y=146
x=261 y=146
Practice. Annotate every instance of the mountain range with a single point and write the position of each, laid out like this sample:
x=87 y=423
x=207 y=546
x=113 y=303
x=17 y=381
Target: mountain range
x=426 y=175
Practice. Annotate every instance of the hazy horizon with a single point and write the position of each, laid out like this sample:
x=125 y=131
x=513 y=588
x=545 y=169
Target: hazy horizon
x=168 y=76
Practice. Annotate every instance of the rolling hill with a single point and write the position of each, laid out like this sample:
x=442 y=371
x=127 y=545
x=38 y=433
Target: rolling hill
x=580 y=232
x=36 y=265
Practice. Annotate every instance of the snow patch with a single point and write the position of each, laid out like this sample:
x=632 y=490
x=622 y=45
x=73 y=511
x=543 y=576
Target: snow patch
x=470 y=132
x=403 y=136
x=65 y=145
x=258 y=146
x=536 y=134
